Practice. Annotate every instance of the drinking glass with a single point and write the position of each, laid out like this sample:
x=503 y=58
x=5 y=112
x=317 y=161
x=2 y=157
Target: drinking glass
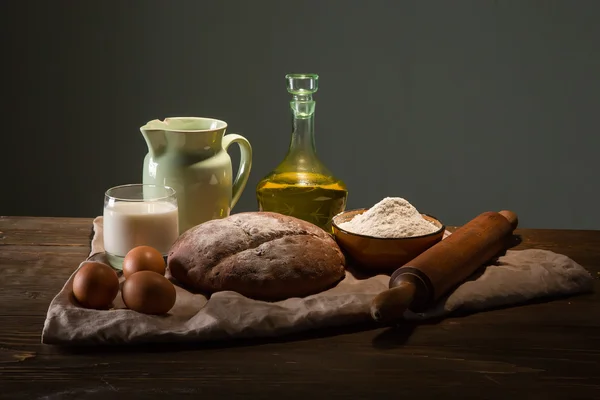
x=139 y=215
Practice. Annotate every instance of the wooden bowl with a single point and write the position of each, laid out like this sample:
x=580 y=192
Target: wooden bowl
x=383 y=254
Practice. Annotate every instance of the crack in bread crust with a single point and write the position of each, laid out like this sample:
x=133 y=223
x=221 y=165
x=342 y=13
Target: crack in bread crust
x=257 y=243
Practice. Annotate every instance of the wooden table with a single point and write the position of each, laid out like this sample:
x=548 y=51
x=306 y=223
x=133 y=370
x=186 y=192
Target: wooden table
x=546 y=350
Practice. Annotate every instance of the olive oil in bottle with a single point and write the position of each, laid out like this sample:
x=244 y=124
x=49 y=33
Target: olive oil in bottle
x=301 y=186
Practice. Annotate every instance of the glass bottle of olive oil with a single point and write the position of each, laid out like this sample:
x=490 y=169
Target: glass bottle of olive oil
x=301 y=186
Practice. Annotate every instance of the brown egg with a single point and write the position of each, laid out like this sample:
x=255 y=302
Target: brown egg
x=95 y=285
x=148 y=292
x=143 y=258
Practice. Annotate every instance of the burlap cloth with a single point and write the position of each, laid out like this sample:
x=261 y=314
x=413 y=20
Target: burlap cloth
x=512 y=279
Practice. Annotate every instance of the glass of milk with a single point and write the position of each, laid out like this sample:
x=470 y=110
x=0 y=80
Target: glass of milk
x=139 y=215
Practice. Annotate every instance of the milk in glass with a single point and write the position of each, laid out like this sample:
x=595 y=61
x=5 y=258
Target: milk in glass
x=128 y=224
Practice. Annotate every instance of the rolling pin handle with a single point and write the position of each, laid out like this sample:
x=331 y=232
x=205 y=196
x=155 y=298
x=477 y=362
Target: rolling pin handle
x=390 y=305
x=511 y=217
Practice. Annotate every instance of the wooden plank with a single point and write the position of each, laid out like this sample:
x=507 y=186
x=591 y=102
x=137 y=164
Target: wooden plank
x=329 y=385
x=34 y=231
x=431 y=361
x=33 y=275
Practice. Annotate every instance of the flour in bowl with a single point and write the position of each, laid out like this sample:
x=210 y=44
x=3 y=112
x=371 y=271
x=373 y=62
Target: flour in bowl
x=392 y=217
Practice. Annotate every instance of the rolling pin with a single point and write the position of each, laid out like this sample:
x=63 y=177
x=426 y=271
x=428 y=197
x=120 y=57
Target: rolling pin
x=418 y=284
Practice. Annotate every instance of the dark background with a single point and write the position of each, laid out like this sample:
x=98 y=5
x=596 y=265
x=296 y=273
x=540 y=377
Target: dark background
x=458 y=106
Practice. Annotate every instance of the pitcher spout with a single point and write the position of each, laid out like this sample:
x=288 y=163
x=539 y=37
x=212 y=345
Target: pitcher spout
x=155 y=138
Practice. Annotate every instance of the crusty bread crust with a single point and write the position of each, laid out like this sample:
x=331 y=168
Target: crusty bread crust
x=262 y=255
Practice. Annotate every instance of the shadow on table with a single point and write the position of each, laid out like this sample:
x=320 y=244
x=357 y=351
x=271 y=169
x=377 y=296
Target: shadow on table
x=398 y=335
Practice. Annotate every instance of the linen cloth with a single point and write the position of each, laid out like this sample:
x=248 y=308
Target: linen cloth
x=514 y=278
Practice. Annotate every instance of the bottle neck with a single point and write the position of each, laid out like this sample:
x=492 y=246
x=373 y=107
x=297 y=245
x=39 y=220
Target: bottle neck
x=303 y=123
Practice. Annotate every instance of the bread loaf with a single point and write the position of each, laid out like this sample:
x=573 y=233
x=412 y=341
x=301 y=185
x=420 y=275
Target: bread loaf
x=261 y=255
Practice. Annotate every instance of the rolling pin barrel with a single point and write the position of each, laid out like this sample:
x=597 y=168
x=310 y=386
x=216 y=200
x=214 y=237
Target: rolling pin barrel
x=421 y=282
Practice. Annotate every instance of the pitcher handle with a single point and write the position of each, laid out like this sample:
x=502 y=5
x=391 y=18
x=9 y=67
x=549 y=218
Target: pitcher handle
x=245 y=164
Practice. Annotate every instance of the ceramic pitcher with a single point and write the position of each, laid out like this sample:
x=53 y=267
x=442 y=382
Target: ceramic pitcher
x=190 y=155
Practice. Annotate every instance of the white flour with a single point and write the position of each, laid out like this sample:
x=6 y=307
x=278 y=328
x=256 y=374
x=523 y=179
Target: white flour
x=392 y=217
